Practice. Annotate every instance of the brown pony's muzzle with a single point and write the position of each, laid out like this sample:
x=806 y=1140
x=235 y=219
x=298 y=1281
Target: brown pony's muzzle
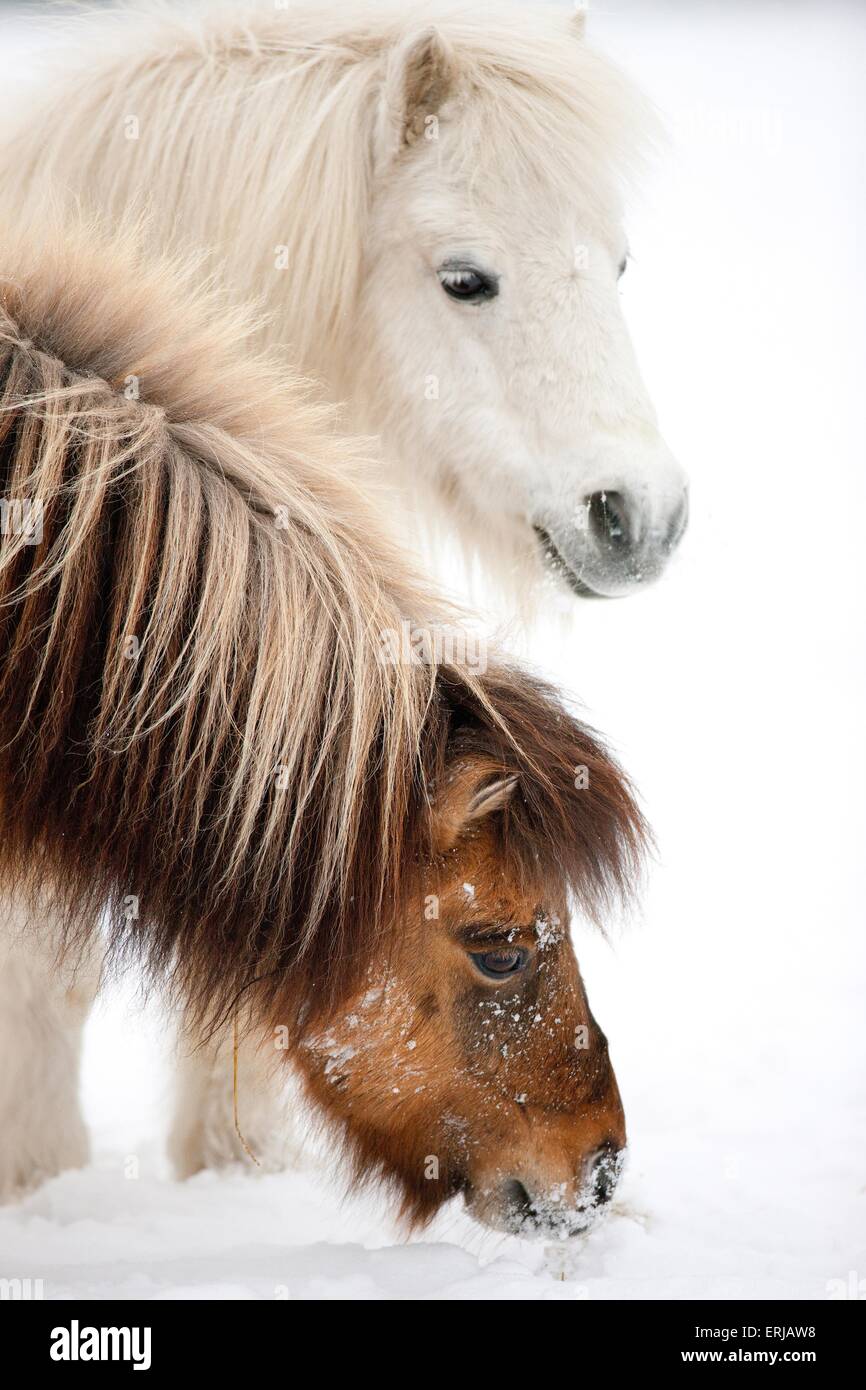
x=542 y=1203
x=558 y=1177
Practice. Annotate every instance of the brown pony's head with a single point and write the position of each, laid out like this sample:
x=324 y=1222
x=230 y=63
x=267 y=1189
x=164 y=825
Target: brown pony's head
x=471 y=1062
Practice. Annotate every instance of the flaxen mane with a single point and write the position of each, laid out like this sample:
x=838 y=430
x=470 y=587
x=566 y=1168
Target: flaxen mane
x=197 y=725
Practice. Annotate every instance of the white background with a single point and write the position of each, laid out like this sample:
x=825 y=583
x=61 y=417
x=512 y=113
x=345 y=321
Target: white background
x=734 y=693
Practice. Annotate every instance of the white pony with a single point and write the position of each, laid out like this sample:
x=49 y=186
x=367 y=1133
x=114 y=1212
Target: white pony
x=426 y=198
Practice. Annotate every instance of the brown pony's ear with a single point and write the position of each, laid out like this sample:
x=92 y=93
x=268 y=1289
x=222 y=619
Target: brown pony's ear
x=421 y=76
x=491 y=797
x=476 y=789
x=574 y=820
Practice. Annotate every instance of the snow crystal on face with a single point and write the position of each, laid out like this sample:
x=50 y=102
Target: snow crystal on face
x=469 y=890
x=492 y=1006
x=338 y=1059
x=548 y=930
x=336 y=1055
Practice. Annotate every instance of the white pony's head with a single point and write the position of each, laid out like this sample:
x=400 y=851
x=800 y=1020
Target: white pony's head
x=426 y=198
x=494 y=344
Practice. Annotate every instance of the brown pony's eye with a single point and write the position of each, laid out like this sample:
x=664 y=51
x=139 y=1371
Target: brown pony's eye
x=496 y=965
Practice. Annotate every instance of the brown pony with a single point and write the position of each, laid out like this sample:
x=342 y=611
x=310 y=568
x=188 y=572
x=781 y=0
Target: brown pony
x=203 y=725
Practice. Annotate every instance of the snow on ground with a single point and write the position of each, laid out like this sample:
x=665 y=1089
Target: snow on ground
x=734 y=692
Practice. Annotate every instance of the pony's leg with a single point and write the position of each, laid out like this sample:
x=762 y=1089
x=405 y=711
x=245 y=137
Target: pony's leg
x=43 y=1010
x=203 y=1133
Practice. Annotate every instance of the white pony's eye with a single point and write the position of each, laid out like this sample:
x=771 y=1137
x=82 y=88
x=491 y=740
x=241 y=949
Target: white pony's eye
x=622 y=267
x=467 y=282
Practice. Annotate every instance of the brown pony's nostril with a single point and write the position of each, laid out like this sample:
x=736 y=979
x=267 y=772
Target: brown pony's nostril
x=606 y=1166
x=517 y=1202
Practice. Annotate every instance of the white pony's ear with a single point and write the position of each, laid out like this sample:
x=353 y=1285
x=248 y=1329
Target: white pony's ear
x=421 y=76
x=578 y=18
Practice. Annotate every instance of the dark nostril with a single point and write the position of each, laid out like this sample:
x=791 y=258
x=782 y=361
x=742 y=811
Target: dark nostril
x=608 y=520
x=605 y=1171
x=517 y=1199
